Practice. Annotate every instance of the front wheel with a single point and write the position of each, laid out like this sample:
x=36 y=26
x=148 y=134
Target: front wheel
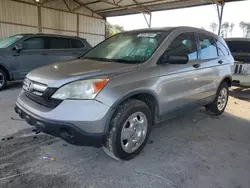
x=129 y=130
x=219 y=104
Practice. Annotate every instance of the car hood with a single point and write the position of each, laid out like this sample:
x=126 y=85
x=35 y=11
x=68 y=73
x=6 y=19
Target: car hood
x=58 y=74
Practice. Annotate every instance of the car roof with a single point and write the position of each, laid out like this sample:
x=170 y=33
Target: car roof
x=49 y=35
x=184 y=28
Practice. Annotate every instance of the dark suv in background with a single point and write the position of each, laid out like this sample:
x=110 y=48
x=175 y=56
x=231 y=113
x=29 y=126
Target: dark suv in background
x=240 y=49
x=19 y=54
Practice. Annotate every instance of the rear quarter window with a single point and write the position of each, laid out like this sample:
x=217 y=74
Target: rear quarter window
x=76 y=43
x=222 y=49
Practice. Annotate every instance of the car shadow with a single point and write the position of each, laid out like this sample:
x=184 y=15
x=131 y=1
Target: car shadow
x=14 y=85
x=193 y=144
x=240 y=93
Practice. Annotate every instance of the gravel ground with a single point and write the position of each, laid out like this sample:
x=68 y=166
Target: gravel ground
x=192 y=151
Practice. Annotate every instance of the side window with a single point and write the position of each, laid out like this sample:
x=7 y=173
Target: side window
x=208 y=47
x=184 y=44
x=222 y=50
x=59 y=43
x=76 y=43
x=34 y=43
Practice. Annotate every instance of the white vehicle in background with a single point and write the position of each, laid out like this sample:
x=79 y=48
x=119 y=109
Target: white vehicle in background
x=240 y=49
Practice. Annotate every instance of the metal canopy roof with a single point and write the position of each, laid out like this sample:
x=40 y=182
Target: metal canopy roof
x=107 y=8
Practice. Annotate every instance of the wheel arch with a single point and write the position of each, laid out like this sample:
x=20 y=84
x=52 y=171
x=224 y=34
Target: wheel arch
x=9 y=76
x=228 y=80
x=147 y=96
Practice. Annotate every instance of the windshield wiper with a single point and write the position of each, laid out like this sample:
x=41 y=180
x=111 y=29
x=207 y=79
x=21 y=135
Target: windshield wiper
x=127 y=61
x=98 y=59
x=113 y=60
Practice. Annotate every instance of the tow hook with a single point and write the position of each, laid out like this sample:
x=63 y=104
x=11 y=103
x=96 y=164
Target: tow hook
x=36 y=131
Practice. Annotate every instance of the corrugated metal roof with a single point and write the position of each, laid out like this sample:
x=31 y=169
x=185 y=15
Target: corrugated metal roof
x=108 y=8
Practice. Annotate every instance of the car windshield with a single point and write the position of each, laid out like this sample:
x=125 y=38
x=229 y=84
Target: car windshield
x=5 y=43
x=131 y=47
x=239 y=46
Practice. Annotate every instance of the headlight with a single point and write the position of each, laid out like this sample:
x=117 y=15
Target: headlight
x=246 y=69
x=84 y=89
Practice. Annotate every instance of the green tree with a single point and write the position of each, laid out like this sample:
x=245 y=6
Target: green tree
x=231 y=27
x=213 y=26
x=245 y=28
x=225 y=28
x=113 y=29
x=242 y=26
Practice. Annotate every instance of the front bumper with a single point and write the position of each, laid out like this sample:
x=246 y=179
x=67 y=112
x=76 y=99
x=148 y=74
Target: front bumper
x=241 y=80
x=79 y=122
x=68 y=132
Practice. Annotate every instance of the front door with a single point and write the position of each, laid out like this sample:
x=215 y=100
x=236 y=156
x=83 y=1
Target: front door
x=32 y=55
x=179 y=85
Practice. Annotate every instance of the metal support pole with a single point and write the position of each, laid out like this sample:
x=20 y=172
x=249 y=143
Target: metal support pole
x=106 y=34
x=220 y=9
x=150 y=19
x=39 y=19
x=78 y=25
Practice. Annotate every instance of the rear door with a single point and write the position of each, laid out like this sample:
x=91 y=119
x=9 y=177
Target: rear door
x=60 y=49
x=210 y=64
x=63 y=49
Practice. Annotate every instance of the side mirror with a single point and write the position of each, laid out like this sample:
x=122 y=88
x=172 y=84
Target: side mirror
x=178 y=59
x=174 y=59
x=18 y=47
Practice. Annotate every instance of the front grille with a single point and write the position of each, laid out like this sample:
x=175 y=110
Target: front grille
x=34 y=87
x=40 y=93
x=43 y=100
x=238 y=69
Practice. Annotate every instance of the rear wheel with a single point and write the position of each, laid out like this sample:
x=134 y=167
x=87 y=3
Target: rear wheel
x=219 y=104
x=129 y=130
x=3 y=79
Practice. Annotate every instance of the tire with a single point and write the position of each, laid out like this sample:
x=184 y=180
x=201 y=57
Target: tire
x=215 y=108
x=129 y=119
x=3 y=79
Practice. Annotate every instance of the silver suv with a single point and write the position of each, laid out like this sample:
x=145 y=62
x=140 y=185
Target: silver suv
x=113 y=95
x=19 y=54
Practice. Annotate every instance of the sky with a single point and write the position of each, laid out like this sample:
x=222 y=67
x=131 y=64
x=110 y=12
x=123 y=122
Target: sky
x=202 y=16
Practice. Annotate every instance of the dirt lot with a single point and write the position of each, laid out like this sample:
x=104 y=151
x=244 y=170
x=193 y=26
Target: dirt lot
x=191 y=151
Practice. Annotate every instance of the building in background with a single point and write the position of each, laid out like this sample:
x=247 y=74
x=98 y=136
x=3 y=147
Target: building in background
x=54 y=17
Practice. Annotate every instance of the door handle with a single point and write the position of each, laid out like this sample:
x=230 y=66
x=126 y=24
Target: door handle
x=196 y=66
x=220 y=62
x=44 y=53
x=16 y=54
